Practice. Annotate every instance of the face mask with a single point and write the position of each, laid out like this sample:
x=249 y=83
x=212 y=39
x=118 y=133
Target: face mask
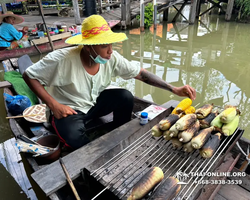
x=98 y=58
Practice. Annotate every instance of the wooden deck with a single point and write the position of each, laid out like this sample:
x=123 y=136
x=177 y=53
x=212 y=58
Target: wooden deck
x=115 y=13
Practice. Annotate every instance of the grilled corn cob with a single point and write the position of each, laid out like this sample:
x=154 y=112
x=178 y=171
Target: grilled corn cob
x=228 y=129
x=166 y=123
x=200 y=139
x=186 y=136
x=167 y=190
x=204 y=111
x=173 y=132
x=183 y=105
x=216 y=122
x=228 y=114
x=146 y=183
x=190 y=110
x=205 y=123
x=185 y=122
x=210 y=146
x=156 y=131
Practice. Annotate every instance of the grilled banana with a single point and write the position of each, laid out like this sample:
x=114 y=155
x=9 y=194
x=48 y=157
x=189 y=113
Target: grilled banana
x=146 y=183
x=176 y=143
x=205 y=123
x=166 y=123
x=204 y=111
x=186 y=136
x=185 y=122
x=173 y=132
x=210 y=146
x=187 y=147
x=166 y=135
x=200 y=139
x=167 y=190
x=156 y=131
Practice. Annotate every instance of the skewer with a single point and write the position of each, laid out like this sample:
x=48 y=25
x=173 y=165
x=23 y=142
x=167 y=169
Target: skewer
x=69 y=179
x=31 y=115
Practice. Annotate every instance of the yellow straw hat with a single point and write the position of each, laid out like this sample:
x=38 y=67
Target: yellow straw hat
x=18 y=19
x=95 y=30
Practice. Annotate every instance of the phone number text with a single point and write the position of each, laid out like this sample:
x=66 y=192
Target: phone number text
x=219 y=182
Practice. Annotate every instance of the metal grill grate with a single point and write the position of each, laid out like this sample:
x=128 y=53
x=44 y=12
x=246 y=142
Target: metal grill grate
x=123 y=171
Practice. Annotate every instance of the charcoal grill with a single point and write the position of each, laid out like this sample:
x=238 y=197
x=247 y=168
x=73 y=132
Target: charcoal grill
x=120 y=173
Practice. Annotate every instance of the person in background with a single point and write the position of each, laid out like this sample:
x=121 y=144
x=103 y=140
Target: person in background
x=8 y=32
x=1 y=9
x=76 y=80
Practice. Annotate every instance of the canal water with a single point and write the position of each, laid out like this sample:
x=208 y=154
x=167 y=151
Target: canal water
x=212 y=56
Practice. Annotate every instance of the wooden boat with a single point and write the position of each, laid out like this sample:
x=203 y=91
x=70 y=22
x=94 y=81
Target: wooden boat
x=83 y=164
x=42 y=45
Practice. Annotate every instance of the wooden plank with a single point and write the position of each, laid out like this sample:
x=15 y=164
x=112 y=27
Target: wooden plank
x=53 y=38
x=234 y=192
x=4 y=84
x=210 y=190
x=219 y=197
x=51 y=178
x=245 y=179
x=11 y=160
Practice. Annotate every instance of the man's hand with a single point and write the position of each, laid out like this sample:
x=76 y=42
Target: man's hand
x=60 y=111
x=185 y=91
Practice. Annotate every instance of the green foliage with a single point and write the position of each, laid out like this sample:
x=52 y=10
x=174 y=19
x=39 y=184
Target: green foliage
x=244 y=8
x=148 y=15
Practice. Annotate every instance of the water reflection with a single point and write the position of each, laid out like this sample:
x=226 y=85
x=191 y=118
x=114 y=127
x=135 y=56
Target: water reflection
x=211 y=56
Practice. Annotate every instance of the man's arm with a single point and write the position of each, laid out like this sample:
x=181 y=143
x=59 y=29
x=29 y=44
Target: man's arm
x=58 y=109
x=154 y=80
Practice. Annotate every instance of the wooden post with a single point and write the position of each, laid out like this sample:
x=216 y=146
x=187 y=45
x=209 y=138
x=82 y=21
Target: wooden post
x=229 y=10
x=125 y=7
x=4 y=8
x=155 y=14
x=192 y=13
x=198 y=8
x=165 y=15
x=141 y=49
x=100 y=6
x=76 y=12
x=57 y=4
x=41 y=10
x=179 y=11
x=142 y=15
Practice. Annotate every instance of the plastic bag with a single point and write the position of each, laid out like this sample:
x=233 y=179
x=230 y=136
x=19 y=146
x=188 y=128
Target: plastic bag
x=17 y=104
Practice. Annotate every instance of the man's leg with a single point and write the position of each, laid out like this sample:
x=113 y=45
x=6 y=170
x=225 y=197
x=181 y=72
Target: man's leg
x=118 y=101
x=71 y=130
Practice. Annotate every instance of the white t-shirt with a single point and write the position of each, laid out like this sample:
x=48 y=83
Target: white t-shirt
x=67 y=81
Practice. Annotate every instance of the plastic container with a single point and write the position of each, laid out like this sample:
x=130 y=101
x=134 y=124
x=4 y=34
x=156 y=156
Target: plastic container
x=52 y=33
x=65 y=28
x=26 y=44
x=144 y=118
x=40 y=34
x=79 y=29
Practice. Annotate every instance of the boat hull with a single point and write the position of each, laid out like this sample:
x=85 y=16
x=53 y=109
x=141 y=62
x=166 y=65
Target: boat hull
x=32 y=50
